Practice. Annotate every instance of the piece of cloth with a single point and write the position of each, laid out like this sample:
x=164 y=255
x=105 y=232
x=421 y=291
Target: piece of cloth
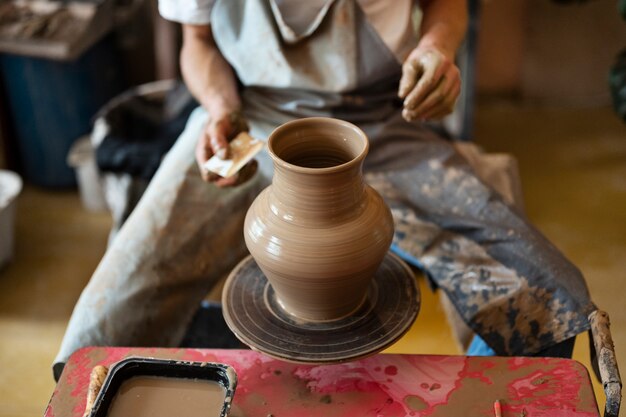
x=393 y=20
x=140 y=131
x=181 y=238
x=131 y=134
x=507 y=282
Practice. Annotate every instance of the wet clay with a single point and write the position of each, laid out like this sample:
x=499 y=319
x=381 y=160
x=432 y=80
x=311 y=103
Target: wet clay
x=151 y=396
x=318 y=233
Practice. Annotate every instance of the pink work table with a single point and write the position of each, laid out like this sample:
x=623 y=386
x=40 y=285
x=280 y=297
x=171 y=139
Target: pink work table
x=380 y=385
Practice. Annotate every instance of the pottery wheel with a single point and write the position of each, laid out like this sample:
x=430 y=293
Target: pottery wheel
x=253 y=313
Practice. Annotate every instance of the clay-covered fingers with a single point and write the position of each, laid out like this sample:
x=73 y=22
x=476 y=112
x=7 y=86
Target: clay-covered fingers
x=212 y=141
x=218 y=133
x=433 y=65
x=411 y=71
x=222 y=130
x=440 y=101
x=419 y=72
x=203 y=153
x=429 y=85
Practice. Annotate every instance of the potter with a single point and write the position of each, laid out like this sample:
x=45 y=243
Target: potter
x=318 y=233
x=241 y=61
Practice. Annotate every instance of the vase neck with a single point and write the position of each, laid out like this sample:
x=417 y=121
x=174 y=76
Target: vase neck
x=323 y=197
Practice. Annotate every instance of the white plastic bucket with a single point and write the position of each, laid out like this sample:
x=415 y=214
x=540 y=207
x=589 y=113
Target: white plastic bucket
x=82 y=158
x=10 y=187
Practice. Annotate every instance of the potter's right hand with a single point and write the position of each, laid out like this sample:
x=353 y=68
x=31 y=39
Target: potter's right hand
x=430 y=84
x=221 y=127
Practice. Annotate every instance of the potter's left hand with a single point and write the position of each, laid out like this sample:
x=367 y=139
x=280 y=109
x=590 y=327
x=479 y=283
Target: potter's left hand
x=430 y=84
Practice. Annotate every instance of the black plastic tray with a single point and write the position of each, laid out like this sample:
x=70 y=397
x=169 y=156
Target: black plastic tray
x=136 y=366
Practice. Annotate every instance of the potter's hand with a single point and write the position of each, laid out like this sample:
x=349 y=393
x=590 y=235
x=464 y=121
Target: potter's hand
x=219 y=130
x=430 y=84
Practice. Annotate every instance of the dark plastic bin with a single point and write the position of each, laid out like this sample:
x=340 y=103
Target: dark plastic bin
x=51 y=104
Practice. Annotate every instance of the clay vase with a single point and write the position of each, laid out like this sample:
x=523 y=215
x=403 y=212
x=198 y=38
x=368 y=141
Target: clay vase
x=318 y=232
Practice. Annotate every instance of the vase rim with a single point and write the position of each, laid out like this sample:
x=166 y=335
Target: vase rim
x=325 y=120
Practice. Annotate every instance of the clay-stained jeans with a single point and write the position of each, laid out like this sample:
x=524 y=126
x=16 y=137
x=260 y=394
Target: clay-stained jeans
x=182 y=237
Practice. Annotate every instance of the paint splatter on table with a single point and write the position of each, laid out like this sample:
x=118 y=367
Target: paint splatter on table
x=381 y=385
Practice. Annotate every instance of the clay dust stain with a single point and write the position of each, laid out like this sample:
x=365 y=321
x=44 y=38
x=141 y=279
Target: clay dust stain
x=326 y=399
x=391 y=370
x=415 y=403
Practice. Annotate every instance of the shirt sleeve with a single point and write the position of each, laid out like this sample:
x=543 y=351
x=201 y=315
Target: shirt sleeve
x=193 y=12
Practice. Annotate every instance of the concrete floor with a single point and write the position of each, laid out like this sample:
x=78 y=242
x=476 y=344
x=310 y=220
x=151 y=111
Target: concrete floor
x=573 y=166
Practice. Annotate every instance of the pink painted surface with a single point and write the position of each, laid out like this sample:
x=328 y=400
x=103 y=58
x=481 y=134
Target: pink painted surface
x=381 y=385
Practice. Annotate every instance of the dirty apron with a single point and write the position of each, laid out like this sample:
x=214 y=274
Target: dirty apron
x=507 y=282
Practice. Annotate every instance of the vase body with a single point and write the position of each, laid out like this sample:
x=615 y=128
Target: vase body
x=318 y=232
